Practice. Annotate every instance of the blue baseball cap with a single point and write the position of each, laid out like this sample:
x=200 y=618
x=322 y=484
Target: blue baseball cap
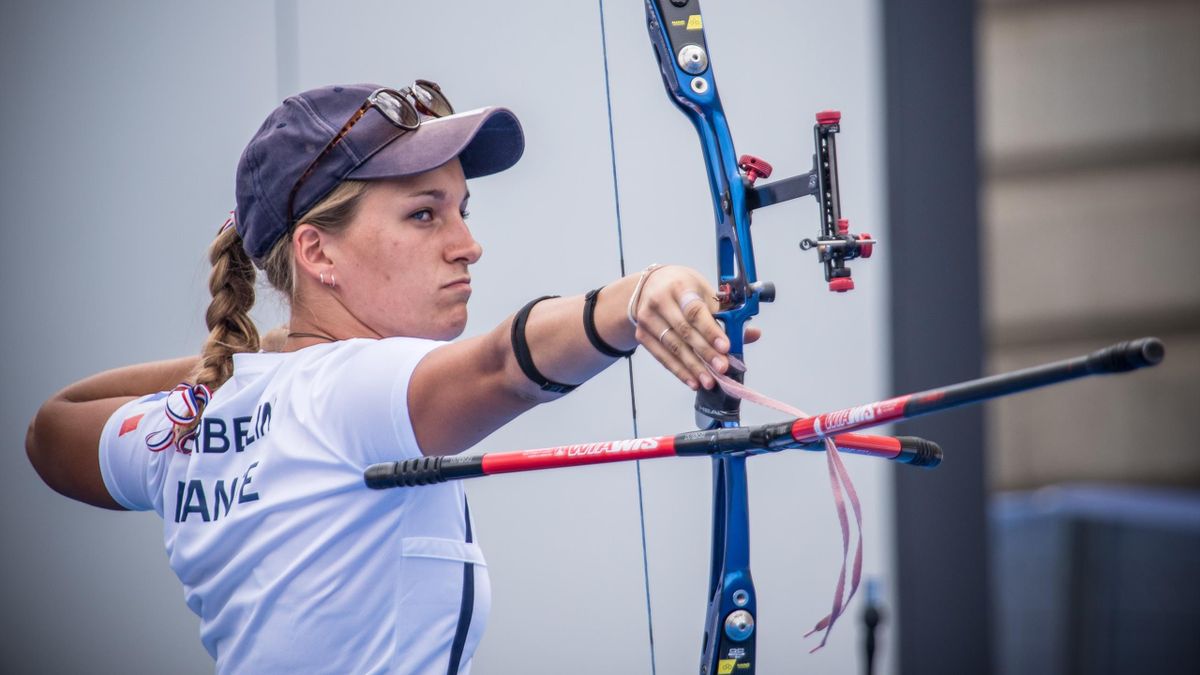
x=486 y=141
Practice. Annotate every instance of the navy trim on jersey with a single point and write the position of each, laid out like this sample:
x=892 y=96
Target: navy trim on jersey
x=468 y=603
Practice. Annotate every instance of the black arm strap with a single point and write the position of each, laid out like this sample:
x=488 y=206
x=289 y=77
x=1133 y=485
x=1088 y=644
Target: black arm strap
x=589 y=327
x=525 y=359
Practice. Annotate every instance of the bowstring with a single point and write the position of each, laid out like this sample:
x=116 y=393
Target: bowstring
x=612 y=148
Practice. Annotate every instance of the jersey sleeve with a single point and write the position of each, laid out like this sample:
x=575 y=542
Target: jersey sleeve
x=132 y=472
x=370 y=397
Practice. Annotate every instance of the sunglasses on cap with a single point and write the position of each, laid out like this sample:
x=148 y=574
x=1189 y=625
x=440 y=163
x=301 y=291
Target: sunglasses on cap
x=402 y=108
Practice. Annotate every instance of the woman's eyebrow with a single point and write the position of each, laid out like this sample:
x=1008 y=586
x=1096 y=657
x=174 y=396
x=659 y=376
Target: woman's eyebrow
x=436 y=193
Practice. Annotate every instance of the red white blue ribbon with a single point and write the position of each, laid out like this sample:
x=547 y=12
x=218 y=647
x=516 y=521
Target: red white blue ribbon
x=186 y=401
x=184 y=405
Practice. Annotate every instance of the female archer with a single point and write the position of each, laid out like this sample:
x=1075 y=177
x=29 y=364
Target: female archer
x=352 y=200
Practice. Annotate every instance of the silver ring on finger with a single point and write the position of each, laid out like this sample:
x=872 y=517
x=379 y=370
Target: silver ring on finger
x=664 y=333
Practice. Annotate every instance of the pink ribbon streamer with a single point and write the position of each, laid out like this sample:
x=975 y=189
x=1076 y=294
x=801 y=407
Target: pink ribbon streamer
x=839 y=481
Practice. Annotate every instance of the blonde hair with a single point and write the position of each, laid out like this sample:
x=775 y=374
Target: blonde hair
x=231 y=282
x=331 y=214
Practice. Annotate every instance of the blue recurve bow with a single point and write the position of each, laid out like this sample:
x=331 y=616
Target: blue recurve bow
x=677 y=34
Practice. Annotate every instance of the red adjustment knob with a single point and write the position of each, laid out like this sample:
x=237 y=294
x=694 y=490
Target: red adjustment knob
x=828 y=117
x=724 y=292
x=754 y=167
x=865 y=250
x=841 y=284
x=843 y=225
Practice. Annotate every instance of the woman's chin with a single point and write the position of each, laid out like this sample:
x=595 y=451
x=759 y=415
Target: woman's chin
x=450 y=329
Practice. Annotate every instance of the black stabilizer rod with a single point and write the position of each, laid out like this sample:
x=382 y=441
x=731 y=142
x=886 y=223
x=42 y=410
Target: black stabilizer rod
x=1119 y=358
x=422 y=471
x=1126 y=356
x=917 y=451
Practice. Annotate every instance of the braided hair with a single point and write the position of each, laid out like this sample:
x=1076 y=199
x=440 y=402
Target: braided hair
x=231 y=283
x=230 y=329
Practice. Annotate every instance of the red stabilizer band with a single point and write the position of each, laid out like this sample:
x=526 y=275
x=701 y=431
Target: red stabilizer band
x=811 y=429
x=579 y=454
x=884 y=447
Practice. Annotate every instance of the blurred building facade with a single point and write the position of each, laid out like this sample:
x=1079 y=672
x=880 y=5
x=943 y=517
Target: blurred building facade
x=1090 y=210
x=1089 y=115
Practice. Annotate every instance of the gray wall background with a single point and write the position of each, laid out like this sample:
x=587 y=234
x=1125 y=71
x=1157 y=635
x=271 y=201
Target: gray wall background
x=1090 y=146
x=122 y=122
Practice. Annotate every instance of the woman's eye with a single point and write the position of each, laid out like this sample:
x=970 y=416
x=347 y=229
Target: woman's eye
x=424 y=215
x=465 y=214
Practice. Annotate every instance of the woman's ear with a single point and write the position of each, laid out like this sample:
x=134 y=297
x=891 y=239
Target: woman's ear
x=310 y=250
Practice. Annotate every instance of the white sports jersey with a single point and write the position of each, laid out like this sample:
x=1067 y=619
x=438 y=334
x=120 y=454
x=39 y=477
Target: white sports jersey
x=291 y=562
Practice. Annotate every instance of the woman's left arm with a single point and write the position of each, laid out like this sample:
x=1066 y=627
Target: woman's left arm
x=63 y=440
x=672 y=307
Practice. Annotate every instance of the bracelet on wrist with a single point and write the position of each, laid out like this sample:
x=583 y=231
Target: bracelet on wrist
x=631 y=312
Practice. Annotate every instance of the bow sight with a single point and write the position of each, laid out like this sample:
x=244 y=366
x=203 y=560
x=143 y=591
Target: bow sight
x=836 y=244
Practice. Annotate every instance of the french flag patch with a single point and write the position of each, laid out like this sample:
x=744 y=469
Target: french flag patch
x=130 y=424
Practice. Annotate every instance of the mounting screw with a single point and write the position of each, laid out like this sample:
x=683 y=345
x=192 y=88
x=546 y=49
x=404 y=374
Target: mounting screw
x=692 y=59
x=739 y=625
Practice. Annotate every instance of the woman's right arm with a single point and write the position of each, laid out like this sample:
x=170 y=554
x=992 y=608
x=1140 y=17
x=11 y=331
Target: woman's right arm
x=63 y=440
